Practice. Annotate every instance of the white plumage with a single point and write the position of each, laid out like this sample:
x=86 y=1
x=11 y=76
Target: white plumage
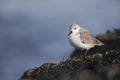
x=82 y=39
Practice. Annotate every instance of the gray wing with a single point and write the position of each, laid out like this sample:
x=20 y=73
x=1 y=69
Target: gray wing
x=88 y=38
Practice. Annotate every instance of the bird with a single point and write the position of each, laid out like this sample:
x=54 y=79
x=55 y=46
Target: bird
x=82 y=39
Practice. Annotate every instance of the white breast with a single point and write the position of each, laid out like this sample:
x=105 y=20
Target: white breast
x=77 y=43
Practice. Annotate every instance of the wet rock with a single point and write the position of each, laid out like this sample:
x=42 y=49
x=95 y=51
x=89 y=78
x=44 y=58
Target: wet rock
x=101 y=63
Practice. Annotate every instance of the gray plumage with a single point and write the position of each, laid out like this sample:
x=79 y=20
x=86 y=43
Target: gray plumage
x=81 y=38
x=88 y=38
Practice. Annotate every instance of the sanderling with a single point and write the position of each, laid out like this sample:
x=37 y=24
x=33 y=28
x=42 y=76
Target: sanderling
x=81 y=38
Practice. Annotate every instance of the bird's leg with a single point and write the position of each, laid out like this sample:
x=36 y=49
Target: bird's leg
x=85 y=53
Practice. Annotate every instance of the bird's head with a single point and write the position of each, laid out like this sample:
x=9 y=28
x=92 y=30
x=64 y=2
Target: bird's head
x=74 y=28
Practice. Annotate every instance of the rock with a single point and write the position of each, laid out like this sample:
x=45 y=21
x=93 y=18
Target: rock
x=101 y=63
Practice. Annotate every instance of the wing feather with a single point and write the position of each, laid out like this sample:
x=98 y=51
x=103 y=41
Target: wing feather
x=88 y=38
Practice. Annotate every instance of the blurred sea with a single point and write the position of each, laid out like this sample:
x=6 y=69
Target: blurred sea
x=35 y=32
x=25 y=45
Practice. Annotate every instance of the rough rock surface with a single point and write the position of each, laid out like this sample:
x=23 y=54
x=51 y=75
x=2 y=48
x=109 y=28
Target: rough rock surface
x=101 y=63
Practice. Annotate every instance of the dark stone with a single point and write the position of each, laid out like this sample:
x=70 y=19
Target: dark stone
x=101 y=63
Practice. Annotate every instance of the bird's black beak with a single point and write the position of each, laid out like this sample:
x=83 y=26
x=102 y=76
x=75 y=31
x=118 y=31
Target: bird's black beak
x=69 y=33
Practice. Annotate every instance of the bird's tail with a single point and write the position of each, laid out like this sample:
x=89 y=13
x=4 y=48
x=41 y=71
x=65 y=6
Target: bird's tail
x=98 y=43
